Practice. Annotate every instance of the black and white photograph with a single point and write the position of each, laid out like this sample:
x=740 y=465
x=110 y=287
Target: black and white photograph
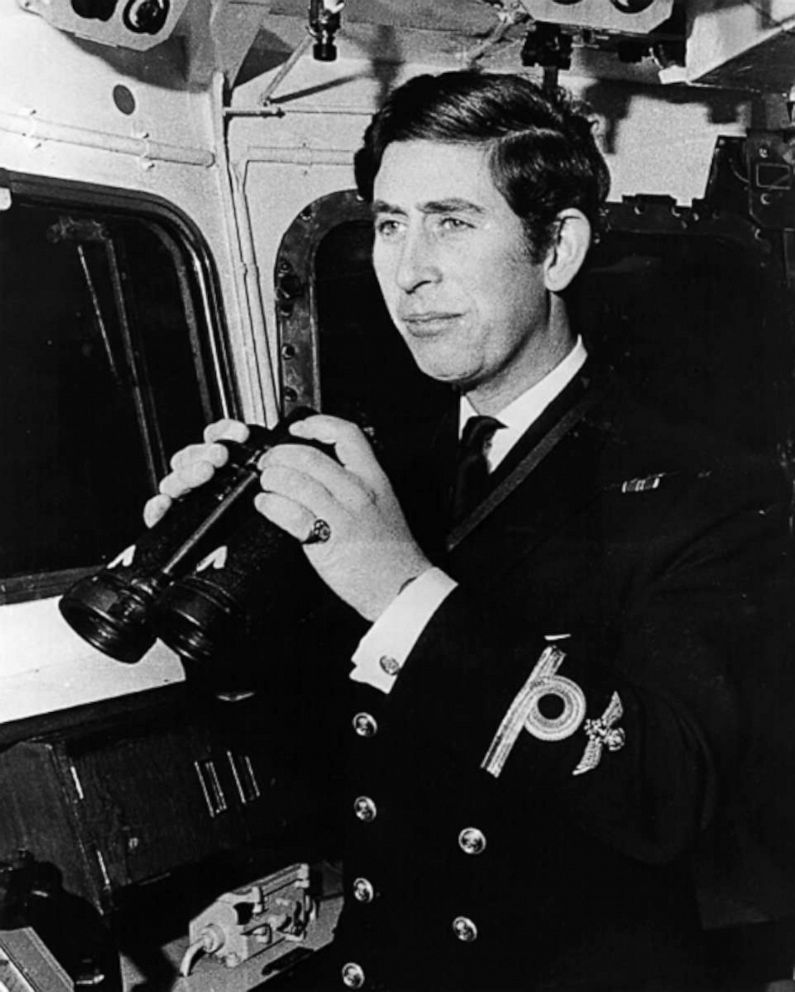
x=397 y=495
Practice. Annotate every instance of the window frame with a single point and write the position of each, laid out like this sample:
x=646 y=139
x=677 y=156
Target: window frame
x=297 y=326
x=216 y=382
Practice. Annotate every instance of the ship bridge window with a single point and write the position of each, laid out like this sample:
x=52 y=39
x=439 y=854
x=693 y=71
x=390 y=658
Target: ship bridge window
x=691 y=305
x=108 y=364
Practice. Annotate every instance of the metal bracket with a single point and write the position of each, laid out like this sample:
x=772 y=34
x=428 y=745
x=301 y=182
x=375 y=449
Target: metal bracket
x=770 y=158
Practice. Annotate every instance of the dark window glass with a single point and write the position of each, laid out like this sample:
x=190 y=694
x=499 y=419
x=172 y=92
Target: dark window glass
x=103 y=374
x=698 y=327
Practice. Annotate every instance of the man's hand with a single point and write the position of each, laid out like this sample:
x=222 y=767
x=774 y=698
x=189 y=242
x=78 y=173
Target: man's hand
x=370 y=553
x=194 y=465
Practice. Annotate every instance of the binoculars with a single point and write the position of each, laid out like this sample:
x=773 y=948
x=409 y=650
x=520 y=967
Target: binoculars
x=208 y=579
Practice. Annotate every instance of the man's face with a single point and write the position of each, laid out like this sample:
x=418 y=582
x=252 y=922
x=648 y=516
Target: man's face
x=452 y=262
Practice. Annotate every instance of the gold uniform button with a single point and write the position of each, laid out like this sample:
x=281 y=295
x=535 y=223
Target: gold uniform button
x=352 y=975
x=365 y=809
x=472 y=841
x=365 y=725
x=363 y=890
x=465 y=929
x=390 y=665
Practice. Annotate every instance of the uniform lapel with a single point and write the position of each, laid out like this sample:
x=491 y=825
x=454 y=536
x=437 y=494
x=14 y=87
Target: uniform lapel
x=558 y=408
x=562 y=483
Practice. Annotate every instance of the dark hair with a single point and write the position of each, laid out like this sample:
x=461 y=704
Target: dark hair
x=543 y=156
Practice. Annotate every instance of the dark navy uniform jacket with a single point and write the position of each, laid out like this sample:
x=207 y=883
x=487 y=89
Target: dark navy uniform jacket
x=554 y=793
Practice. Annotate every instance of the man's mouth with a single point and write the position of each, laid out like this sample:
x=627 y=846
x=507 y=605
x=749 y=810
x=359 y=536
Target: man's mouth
x=428 y=323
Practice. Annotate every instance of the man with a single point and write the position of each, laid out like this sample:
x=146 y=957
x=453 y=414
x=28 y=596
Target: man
x=552 y=701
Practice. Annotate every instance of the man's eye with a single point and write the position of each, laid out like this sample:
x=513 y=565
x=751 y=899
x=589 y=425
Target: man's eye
x=453 y=224
x=385 y=227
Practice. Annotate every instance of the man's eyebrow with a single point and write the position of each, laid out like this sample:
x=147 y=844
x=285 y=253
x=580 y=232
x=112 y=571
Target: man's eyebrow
x=382 y=207
x=452 y=205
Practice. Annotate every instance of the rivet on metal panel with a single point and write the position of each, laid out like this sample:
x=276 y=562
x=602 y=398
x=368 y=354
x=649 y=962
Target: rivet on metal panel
x=145 y=160
x=30 y=133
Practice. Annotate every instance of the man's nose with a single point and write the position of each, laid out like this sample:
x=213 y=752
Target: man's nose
x=418 y=263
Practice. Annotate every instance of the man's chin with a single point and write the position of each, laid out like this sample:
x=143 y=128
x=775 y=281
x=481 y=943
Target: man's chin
x=443 y=359
x=448 y=376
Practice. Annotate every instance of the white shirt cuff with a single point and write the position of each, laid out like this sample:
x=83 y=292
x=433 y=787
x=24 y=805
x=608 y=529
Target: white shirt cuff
x=386 y=645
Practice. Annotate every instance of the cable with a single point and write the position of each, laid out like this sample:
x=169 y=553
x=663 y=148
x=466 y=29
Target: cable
x=189 y=957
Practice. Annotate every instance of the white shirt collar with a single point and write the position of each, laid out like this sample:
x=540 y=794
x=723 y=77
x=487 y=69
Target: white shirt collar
x=527 y=408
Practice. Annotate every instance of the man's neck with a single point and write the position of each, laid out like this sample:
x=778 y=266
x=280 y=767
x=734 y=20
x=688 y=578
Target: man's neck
x=492 y=397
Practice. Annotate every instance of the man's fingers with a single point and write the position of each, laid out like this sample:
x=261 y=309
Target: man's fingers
x=194 y=465
x=156 y=508
x=351 y=446
x=176 y=484
x=347 y=488
x=215 y=454
x=226 y=430
x=303 y=490
x=293 y=518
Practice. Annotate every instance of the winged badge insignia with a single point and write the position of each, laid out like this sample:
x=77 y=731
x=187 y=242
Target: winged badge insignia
x=602 y=734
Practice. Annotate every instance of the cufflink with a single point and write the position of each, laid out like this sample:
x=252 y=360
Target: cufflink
x=389 y=665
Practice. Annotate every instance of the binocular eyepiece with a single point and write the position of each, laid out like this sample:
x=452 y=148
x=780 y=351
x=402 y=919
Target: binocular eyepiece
x=207 y=578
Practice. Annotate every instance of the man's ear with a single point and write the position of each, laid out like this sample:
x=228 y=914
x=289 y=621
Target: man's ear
x=568 y=250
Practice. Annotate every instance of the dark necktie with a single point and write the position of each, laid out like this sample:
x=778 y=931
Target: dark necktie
x=472 y=471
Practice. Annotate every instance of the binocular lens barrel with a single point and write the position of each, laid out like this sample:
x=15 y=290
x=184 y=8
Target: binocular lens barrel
x=112 y=615
x=195 y=620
